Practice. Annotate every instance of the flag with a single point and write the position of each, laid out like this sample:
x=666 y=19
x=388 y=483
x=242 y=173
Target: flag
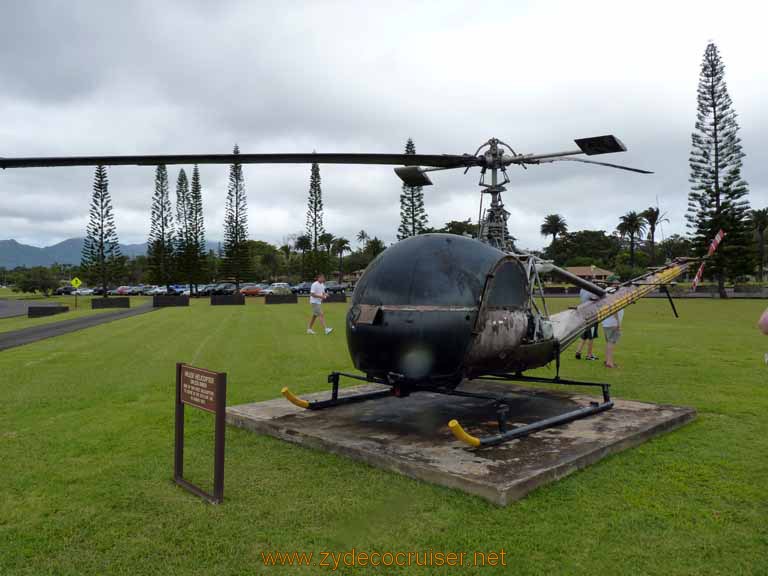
x=712 y=247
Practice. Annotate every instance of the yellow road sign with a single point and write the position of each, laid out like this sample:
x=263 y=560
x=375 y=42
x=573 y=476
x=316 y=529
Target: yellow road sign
x=76 y=282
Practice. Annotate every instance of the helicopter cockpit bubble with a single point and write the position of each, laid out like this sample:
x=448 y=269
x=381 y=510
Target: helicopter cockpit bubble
x=414 y=309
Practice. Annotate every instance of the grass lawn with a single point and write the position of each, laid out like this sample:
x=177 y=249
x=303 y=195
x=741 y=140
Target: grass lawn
x=86 y=436
x=83 y=309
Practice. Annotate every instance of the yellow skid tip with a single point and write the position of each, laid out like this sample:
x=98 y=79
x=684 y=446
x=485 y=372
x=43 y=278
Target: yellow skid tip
x=462 y=435
x=293 y=399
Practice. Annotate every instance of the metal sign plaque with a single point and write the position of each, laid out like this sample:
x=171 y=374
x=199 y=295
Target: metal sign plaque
x=199 y=387
x=206 y=390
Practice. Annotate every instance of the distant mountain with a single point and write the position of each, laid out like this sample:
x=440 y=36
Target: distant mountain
x=13 y=254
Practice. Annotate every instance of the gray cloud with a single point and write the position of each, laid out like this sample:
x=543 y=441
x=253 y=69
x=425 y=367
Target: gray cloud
x=162 y=77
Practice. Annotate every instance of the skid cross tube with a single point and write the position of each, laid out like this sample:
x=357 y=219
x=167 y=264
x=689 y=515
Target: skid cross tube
x=506 y=434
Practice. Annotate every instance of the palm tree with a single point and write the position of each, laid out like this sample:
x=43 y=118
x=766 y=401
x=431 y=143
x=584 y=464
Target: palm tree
x=303 y=244
x=653 y=217
x=287 y=251
x=553 y=225
x=340 y=246
x=374 y=247
x=631 y=225
x=760 y=226
x=363 y=238
x=326 y=240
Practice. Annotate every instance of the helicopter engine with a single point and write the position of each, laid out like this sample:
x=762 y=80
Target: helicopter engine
x=436 y=308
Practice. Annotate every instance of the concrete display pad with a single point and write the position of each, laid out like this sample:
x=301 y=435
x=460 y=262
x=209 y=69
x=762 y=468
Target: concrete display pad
x=12 y=308
x=40 y=311
x=411 y=436
x=227 y=300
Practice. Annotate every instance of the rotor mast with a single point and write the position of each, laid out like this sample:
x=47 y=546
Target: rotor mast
x=492 y=225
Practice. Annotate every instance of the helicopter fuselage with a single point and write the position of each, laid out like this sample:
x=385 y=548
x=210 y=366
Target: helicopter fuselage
x=437 y=308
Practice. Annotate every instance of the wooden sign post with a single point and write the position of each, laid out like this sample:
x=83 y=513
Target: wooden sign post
x=207 y=391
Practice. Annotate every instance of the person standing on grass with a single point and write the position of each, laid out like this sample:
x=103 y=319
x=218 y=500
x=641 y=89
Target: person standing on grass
x=589 y=335
x=612 y=330
x=763 y=325
x=316 y=296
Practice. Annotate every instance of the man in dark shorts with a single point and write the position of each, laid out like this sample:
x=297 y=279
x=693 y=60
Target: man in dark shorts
x=589 y=335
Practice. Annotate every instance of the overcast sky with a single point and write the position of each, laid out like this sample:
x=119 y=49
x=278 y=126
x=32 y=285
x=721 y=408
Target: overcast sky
x=82 y=77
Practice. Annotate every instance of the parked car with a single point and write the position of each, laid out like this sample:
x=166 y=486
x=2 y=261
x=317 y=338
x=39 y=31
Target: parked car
x=301 y=288
x=98 y=291
x=333 y=287
x=119 y=291
x=250 y=290
x=64 y=291
x=225 y=288
x=85 y=291
x=276 y=287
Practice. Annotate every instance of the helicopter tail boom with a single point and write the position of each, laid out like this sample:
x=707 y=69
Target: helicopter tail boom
x=569 y=324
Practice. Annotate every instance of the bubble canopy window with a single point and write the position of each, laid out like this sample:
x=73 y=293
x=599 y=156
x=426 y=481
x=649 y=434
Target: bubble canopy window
x=507 y=289
x=431 y=270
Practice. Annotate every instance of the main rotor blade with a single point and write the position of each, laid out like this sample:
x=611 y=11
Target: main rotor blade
x=619 y=166
x=435 y=160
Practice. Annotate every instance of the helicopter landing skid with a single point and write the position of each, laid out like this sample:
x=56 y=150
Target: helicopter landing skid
x=505 y=433
x=335 y=400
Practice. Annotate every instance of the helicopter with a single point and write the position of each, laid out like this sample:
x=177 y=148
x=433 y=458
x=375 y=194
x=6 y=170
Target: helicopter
x=435 y=311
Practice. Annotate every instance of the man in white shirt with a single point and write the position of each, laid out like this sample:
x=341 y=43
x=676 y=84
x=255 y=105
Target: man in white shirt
x=590 y=334
x=316 y=296
x=612 y=330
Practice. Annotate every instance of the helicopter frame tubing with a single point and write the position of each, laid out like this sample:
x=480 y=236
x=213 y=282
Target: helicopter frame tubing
x=335 y=399
x=505 y=433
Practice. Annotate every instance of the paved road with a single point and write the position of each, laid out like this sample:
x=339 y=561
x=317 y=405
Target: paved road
x=35 y=333
x=11 y=308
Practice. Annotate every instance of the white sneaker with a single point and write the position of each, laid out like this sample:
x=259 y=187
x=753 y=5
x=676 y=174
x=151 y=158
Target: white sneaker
x=328 y=331
x=310 y=331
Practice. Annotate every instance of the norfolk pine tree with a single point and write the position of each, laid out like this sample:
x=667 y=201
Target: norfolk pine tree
x=413 y=217
x=718 y=196
x=160 y=245
x=197 y=253
x=236 y=263
x=183 y=227
x=315 y=228
x=101 y=261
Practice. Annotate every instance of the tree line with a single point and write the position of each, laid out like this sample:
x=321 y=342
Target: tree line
x=718 y=198
x=177 y=249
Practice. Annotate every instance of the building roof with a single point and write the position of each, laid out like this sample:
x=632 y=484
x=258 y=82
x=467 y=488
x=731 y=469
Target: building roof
x=588 y=271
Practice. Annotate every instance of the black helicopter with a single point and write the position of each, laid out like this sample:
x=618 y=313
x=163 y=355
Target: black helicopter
x=435 y=310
